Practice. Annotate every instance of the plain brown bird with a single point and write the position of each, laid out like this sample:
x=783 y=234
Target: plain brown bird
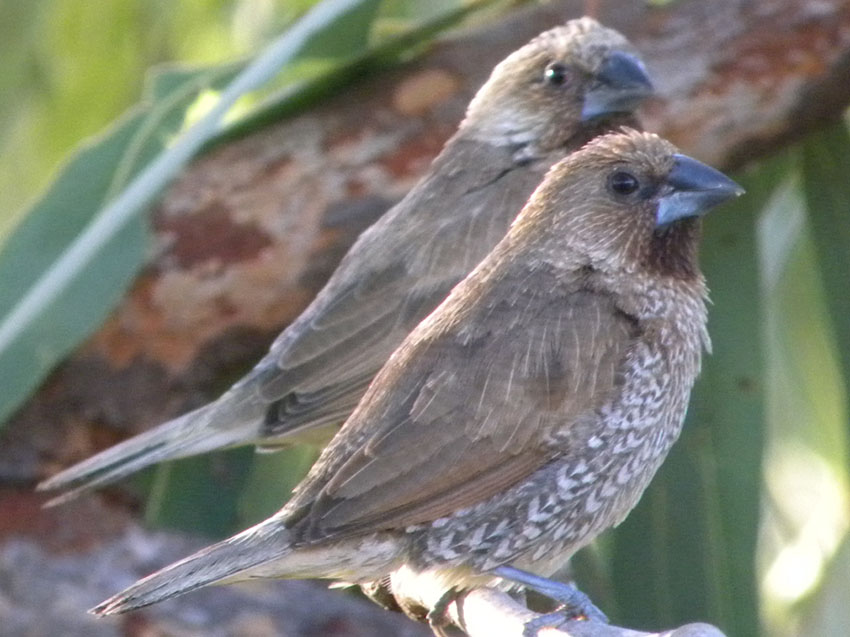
x=545 y=100
x=525 y=415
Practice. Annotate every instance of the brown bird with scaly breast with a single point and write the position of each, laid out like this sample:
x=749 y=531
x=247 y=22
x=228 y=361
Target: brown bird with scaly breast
x=542 y=102
x=520 y=419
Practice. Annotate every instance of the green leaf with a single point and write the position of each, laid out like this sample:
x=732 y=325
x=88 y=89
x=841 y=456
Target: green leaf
x=88 y=181
x=346 y=36
x=270 y=484
x=64 y=209
x=311 y=88
x=687 y=552
x=59 y=261
x=829 y=612
x=811 y=378
x=57 y=305
x=200 y=494
x=826 y=186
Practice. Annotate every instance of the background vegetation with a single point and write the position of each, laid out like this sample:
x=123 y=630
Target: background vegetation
x=747 y=525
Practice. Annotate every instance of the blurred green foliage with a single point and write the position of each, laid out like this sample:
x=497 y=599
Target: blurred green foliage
x=87 y=182
x=70 y=67
x=748 y=523
x=57 y=295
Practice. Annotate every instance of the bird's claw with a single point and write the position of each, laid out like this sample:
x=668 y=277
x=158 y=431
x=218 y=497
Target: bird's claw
x=574 y=603
x=565 y=613
x=438 y=616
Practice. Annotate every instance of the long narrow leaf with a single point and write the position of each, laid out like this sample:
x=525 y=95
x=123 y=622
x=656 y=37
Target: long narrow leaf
x=270 y=483
x=23 y=329
x=200 y=495
x=826 y=186
x=294 y=98
x=86 y=183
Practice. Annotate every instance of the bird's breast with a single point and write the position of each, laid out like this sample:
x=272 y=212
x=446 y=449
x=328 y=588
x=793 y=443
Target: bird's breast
x=608 y=458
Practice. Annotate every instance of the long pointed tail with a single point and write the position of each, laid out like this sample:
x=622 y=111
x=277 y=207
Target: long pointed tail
x=230 y=560
x=227 y=422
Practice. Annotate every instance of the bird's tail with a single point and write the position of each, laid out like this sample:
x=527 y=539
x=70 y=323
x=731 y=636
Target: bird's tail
x=228 y=561
x=230 y=421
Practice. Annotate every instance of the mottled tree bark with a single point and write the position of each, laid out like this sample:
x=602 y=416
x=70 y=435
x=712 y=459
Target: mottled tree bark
x=251 y=231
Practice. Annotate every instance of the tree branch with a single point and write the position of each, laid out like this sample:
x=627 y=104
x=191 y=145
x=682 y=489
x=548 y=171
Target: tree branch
x=485 y=612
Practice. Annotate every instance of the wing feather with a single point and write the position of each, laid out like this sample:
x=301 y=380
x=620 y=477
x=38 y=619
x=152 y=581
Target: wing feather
x=461 y=414
x=325 y=361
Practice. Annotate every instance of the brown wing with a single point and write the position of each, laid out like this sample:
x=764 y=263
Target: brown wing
x=321 y=379
x=461 y=413
x=395 y=275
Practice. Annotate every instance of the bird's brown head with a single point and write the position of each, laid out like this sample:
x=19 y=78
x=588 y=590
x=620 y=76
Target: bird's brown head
x=626 y=202
x=564 y=84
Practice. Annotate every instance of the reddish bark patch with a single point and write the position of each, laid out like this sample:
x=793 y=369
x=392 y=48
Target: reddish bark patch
x=126 y=333
x=803 y=45
x=211 y=235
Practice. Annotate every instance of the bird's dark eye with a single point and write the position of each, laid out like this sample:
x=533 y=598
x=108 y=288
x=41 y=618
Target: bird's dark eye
x=556 y=74
x=623 y=183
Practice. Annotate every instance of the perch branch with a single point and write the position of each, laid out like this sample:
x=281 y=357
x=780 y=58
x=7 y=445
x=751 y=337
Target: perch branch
x=486 y=612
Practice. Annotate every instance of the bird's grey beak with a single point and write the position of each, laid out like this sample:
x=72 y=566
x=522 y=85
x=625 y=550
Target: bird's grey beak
x=695 y=188
x=620 y=85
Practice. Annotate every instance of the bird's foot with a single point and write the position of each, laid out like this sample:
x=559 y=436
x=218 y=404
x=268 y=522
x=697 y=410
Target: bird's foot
x=555 y=619
x=438 y=616
x=574 y=603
